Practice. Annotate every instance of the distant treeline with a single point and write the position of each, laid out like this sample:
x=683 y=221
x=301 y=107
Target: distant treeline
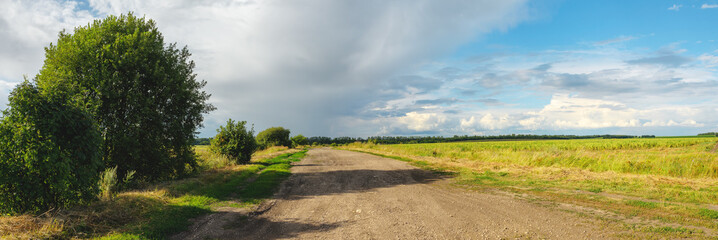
x=320 y=140
x=708 y=134
x=456 y=138
x=202 y=141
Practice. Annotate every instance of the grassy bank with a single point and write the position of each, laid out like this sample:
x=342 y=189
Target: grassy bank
x=163 y=209
x=666 y=180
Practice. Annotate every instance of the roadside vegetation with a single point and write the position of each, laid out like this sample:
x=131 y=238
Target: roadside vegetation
x=99 y=144
x=161 y=210
x=666 y=180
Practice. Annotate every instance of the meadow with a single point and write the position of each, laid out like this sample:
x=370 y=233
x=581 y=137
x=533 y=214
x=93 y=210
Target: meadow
x=669 y=180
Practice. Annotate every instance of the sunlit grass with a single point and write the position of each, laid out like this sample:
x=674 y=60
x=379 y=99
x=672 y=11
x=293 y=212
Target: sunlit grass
x=666 y=179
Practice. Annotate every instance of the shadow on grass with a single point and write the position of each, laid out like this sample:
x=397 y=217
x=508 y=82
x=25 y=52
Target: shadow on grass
x=139 y=217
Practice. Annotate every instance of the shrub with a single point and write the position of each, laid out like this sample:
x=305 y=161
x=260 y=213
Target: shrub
x=274 y=136
x=235 y=141
x=108 y=183
x=299 y=140
x=142 y=93
x=49 y=152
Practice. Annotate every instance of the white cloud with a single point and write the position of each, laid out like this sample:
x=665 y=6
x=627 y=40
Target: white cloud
x=487 y=122
x=675 y=7
x=709 y=60
x=422 y=122
x=565 y=112
x=26 y=27
x=671 y=123
x=298 y=64
x=706 y=6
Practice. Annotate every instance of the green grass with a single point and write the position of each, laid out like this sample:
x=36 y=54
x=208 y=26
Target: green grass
x=677 y=157
x=195 y=197
x=641 y=204
x=708 y=214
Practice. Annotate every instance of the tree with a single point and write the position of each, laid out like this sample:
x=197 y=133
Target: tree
x=49 y=152
x=142 y=93
x=235 y=141
x=274 y=136
x=299 y=140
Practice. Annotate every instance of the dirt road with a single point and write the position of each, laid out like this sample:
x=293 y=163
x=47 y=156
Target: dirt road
x=335 y=194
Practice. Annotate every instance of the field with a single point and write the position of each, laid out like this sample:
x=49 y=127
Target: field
x=669 y=182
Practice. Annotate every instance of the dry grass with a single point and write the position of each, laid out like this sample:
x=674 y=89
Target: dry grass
x=128 y=211
x=672 y=179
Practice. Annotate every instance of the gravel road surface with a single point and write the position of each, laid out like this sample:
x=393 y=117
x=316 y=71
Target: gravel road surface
x=334 y=194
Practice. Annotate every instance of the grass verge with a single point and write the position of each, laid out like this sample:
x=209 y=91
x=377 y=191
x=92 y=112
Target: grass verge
x=163 y=209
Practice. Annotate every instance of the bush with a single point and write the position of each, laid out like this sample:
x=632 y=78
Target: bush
x=49 y=152
x=142 y=93
x=235 y=141
x=299 y=140
x=274 y=136
x=108 y=184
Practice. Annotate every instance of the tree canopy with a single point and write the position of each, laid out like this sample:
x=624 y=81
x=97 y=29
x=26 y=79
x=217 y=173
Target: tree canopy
x=235 y=141
x=142 y=92
x=274 y=136
x=49 y=152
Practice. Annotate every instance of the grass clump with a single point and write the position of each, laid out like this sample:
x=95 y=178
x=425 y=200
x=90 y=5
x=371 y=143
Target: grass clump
x=708 y=214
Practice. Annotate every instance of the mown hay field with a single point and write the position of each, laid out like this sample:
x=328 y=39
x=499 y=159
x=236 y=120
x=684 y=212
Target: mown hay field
x=670 y=180
x=675 y=157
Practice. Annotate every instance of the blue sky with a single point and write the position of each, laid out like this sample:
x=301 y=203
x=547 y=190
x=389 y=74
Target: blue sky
x=347 y=68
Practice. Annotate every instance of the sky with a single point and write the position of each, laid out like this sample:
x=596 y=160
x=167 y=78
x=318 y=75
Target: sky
x=419 y=67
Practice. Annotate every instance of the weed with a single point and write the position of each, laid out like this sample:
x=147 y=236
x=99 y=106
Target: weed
x=108 y=183
x=708 y=214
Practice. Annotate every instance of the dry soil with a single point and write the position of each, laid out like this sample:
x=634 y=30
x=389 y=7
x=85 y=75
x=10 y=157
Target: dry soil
x=334 y=194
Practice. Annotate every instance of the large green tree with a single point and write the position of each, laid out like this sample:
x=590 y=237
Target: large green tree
x=49 y=152
x=142 y=92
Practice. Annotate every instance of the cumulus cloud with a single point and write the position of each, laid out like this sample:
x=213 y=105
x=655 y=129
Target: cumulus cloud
x=325 y=67
x=487 y=122
x=422 y=122
x=568 y=112
x=565 y=112
x=25 y=28
x=299 y=64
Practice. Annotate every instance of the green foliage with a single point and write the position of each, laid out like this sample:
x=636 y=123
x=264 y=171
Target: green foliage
x=49 y=152
x=299 y=140
x=274 y=136
x=235 y=141
x=142 y=93
x=108 y=183
x=708 y=214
